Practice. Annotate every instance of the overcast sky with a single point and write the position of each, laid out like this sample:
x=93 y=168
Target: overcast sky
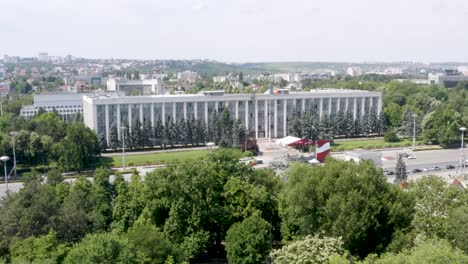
x=238 y=30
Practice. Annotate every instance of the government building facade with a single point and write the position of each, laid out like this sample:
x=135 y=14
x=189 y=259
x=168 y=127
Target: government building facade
x=256 y=111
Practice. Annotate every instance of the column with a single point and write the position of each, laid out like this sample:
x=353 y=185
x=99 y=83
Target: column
x=338 y=105
x=285 y=117
x=107 y=124
x=303 y=105
x=355 y=108
x=363 y=105
x=267 y=121
x=130 y=118
x=118 y=121
x=275 y=123
x=347 y=104
x=321 y=108
x=216 y=106
x=185 y=110
x=329 y=106
x=237 y=109
x=163 y=113
x=256 y=118
x=371 y=103
x=195 y=110
x=174 y=117
x=152 y=114
x=206 y=113
x=379 y=105
x=141 y=114
x=246 y=114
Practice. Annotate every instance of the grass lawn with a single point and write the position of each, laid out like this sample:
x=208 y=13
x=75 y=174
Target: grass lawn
x=155 y=158
x=371 y=144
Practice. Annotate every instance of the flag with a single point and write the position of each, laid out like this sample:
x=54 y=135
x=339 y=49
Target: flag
x=323 y=149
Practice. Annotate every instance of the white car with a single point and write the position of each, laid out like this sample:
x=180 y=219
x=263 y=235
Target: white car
x=412 y=157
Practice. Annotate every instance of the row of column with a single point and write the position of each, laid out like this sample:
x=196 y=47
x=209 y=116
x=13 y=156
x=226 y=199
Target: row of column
x=273 y=103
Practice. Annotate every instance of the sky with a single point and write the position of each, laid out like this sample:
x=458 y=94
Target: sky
x=238 y=30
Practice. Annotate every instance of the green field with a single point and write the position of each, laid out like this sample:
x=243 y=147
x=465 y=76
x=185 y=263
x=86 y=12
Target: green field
x=155 y=158
x=371 y=144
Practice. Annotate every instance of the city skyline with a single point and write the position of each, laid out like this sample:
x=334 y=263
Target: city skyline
x=239 y=31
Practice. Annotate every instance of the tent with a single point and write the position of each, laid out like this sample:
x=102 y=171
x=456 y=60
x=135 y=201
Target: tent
x=287 y=140
x=313 y=161
x=301 y=143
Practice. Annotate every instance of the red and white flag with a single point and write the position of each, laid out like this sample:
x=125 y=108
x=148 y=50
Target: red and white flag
x=323 y=149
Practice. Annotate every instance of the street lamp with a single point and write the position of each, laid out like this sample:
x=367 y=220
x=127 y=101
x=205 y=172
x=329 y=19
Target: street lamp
x=462 y=129
x=14 y=134
x=5 y=159
x=123 y=146
x=414 y=130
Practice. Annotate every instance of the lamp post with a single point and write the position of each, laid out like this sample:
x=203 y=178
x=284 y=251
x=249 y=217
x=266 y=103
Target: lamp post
x=123 y=146
x=462 y=129
x=5 y=159
x=414 y=130
x=14 y=134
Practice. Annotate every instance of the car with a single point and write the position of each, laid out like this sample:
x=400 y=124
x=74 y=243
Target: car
x=427 y=169
x=416 y=170
x=385 y=169
x=411 y=157
x=450 y=167
x=435 y=168
x=404 y=154
x=390 y=173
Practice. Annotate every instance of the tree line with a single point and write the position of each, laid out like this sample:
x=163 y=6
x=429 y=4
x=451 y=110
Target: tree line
x=218 y=207
x=222 y=130
x=311 y=126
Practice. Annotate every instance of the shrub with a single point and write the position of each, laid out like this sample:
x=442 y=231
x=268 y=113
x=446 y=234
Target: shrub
x=131 y=164
x=391 y=136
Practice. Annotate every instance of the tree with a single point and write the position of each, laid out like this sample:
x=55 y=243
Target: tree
x=294 y=125
x=148 y=133
x=159 y=132
x=54 y=177
x=394 y=113
x=442 y=127
x=214 y=128
x=309 y=250
x=350 y=129
x=183 y=131
x=400 y=170
x=103 y=248
x=42 y=249
x=366 y=125
x=102 y=142
x=171 y=134
x=156 y=248
x=226 y=129
x=340 y=123
x=407 y=124
x=248 y=241
x=382 y=123
x=137 y=135
x=357 y=127
x=324 y=200
x=238 y=134
x=114 y=141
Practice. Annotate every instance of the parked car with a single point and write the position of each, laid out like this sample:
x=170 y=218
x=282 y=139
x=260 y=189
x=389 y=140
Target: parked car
x=427 y=169
x=390 y=173
x=450 y=167
x=411 y=157
x=435 y=168
x=385 y=169
x=416 y=170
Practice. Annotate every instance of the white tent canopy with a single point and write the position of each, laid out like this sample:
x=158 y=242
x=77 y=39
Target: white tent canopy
x=287 y=140
x=313 y=161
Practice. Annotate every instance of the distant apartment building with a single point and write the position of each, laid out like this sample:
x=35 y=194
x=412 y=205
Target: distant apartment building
x=5 y=88
x=10 y=59
x=43 y=57
x=187 y=76
x=259 y=113
x=219 y=79
x=448 y=79
x=144 y=87
x=354 y=71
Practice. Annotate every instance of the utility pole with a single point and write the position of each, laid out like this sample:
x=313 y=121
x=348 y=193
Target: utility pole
x=462 y=163
x=123 y=146
x=14 y=134
x=414 y=131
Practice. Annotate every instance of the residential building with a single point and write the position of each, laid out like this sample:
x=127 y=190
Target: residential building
x=145 y=87
x=5 y=87
x=354 y=71
x=258 y=112
x=187 y=76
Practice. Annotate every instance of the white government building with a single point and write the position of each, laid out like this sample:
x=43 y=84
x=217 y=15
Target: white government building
x=103 y=112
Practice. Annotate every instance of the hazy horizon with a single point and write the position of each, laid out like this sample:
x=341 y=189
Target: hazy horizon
x=239 y=31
